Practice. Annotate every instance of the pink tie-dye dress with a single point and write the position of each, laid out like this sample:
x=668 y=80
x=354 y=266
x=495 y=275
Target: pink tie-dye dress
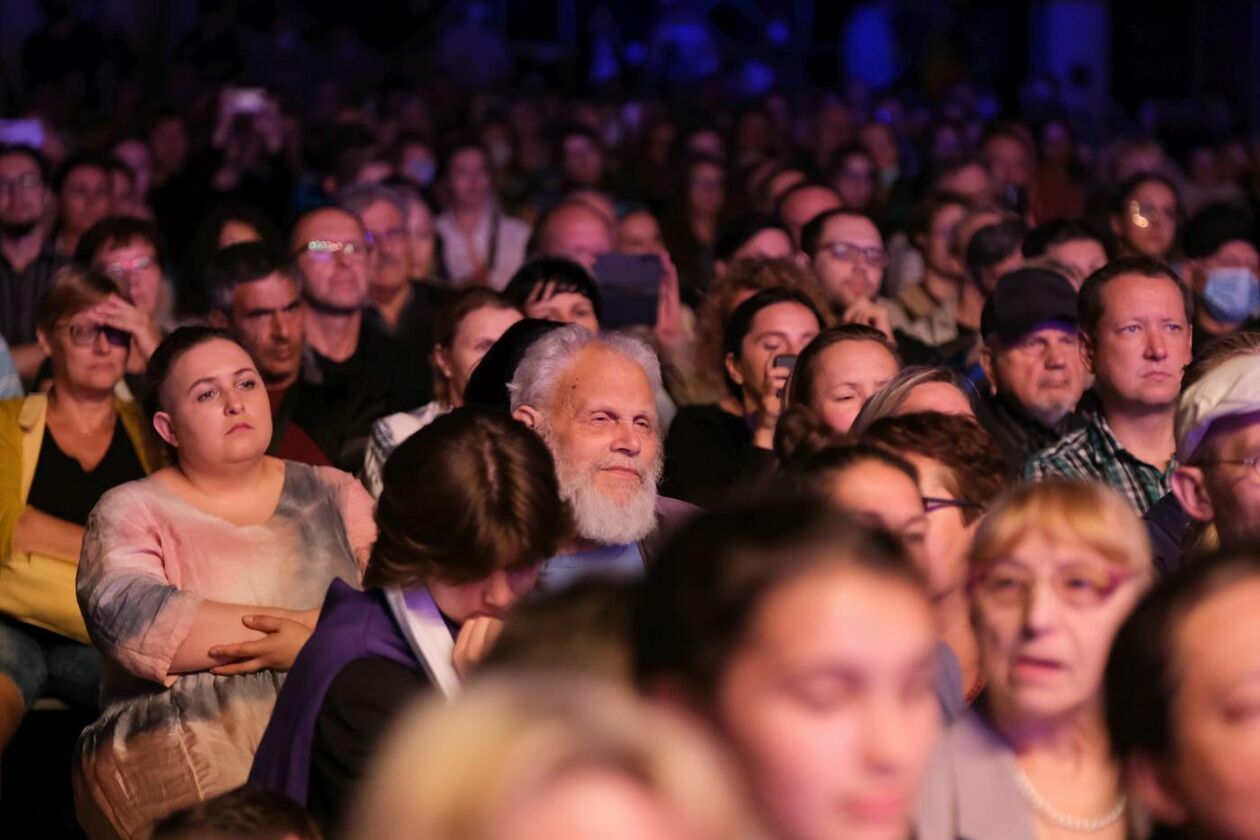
x=163 y=740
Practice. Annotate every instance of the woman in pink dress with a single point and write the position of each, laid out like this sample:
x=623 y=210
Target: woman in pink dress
x=199 y=585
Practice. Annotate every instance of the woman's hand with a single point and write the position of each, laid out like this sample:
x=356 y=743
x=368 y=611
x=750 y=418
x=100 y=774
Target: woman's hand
x=121 y=315
x=669 y=321
x=286 y=632
x=475 y=639
x=771 y=403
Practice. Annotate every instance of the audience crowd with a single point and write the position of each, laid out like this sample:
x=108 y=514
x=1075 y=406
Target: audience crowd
x=829 y=466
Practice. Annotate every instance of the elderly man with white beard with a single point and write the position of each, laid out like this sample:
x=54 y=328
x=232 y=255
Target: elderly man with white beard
x=592 y=399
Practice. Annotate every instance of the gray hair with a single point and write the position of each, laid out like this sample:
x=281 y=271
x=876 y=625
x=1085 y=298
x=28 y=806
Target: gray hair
x=358 y=197
x=548 y=357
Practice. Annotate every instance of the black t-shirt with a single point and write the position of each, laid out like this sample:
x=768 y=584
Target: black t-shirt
x=365 y=697
x=709 y=454
x=62 y=488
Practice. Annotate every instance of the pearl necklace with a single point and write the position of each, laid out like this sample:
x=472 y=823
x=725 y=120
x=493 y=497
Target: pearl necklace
x=1060 y=819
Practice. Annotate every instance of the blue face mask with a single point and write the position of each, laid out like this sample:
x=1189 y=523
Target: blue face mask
x=1232 y=295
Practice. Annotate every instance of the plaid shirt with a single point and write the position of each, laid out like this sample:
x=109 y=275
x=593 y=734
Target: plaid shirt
x=1093 y=452
x=20 y=292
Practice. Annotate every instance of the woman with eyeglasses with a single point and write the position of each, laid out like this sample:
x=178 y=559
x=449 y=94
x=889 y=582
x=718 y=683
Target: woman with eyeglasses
x=1055 y=568
x=1145 y=215
x=59 y=452
x=960 y=473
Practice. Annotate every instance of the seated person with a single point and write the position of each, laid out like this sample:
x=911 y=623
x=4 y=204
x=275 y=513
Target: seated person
x=469 y=510
x=132 y=252
x=838 y=372
x=592 y=399
x=711 y=450
x=558 y=758
x=918 y=389
x=241 y=814
x=59 y=452
x=466 y=328
x=199 y=585
x=806 y=639
x=556 y=289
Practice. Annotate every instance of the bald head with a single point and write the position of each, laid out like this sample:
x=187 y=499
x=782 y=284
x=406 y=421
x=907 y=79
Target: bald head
x=575 y=230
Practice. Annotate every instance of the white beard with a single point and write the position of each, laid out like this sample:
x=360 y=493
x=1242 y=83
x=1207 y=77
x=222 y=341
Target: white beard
x=596 y=516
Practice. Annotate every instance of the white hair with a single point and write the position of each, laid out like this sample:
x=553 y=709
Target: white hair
x=550 y=356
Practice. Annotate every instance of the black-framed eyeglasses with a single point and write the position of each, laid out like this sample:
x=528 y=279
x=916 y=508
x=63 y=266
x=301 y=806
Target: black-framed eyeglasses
x=848 y=252
x=931 y=504
x=84 y=335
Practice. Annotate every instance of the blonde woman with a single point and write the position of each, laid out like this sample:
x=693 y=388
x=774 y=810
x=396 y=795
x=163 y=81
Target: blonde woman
x=1055 y=568
x=516 y=757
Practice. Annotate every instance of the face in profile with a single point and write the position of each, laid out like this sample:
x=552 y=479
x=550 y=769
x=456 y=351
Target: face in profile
x=491 y=596
x=883 y=495
x=829 y=704
x=847 y=373
x=1211 y=782
x=215 y=410
x=1045 y=615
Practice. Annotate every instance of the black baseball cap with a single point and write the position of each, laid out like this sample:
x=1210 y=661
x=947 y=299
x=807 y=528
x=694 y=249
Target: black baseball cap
x=1023 y=300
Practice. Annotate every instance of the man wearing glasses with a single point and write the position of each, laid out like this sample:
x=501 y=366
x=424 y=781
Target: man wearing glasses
x=348 y=349
x=1218 y=443
x=27 y=257
x=846 y=251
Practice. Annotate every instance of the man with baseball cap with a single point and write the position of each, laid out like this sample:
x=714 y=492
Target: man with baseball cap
x=1032 y=361
x=1134 y=316
x=1218 y=446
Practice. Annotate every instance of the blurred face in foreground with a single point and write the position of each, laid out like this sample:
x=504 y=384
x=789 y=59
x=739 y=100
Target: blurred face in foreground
x=828 y=702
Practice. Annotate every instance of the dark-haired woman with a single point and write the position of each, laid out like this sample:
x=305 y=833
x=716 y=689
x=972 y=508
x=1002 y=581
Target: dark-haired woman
x=199 y=585
x=469 y=509
x=556 y=289
x=1182 y=697
x=806 y=638
x=713 y=448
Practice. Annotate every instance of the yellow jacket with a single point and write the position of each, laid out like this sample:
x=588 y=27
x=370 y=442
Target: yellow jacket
x=35 y=588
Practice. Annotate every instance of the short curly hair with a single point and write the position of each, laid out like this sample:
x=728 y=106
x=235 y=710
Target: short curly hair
x=975 y=471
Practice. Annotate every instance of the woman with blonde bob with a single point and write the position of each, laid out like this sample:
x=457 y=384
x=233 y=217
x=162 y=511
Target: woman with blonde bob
x=1055 y=568
x=515 y=757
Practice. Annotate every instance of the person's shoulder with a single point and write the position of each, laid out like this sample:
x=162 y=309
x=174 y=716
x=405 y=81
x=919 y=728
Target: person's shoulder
x=1056 y=454
x=129 y=498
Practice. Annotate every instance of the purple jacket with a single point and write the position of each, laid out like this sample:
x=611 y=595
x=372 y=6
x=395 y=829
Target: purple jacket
x=352 y=625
